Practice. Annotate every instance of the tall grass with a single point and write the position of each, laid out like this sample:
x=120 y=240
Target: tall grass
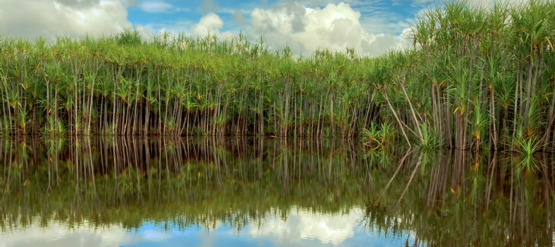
x=474 y=78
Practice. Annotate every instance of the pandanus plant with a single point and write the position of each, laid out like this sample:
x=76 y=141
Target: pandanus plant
x=473 y=78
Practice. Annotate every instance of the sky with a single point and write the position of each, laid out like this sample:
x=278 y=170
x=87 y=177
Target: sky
x=371 y=27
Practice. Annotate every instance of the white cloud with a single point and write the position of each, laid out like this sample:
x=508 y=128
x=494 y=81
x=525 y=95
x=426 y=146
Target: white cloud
x=334 y=27
x=174 y=27
x=33 y=18
x=323 y=3
x=129 y=3
x=210 y=23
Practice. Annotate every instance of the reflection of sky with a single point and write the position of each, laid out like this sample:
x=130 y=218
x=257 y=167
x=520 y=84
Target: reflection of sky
x=302 y=228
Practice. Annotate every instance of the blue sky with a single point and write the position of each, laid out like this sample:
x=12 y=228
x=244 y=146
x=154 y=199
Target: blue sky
x=369 y=26
x=171 y=12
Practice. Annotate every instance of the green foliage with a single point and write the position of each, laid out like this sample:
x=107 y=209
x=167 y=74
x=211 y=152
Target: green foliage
x=473 y=79
x=378 y=139
x=54 y=127
x=429 y=141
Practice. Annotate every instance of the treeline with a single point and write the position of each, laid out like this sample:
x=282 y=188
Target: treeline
x=475 y=78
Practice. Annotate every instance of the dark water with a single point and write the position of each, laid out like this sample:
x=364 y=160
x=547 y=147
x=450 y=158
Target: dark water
x=253 y=192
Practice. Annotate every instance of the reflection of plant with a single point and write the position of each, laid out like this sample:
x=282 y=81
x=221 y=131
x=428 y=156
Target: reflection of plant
x=381 y=138
x=429 y=140
x=54 y=146
x=219 y=183
x=528 y=164
x=528 y=146
x=109 y=131
x=53 y=127
x=381 y=157
x=5 y=128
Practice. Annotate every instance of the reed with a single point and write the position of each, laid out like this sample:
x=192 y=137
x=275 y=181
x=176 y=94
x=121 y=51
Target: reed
x=474 y=78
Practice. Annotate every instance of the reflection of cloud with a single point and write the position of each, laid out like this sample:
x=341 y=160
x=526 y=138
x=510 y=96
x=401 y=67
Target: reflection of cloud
x=303 y=224
x=302 y=227
x=144 y=236
x=56 y=235
x=152 y=235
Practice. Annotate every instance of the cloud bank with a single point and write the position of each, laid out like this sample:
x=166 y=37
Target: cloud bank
x=33 y=18
x=334 y=27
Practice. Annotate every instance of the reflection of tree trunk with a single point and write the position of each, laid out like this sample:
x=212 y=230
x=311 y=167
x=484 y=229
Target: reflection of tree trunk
x=547 y=199
x=522 y=205
x=77 y=198
x=511 y=221
x=260 y=155
x=434 y=183
x=49 y=175
x=89 y=154
x=115 y=165
x=159 y=169
x=169 y=194
x=396 y=171
x=135 y=152
x=57 y=162
x=411 y=177
x=490 y=180
x=331 y=159
x=147 y=160
x=458 y=170
x=462 y=168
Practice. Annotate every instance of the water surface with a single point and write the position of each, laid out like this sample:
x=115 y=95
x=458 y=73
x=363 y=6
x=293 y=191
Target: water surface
x=255 y=192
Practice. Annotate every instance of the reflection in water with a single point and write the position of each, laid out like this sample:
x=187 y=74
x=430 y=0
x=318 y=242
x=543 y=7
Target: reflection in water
x=303 y=224
x=206 y=192
x=57 y=235
x=301 y=228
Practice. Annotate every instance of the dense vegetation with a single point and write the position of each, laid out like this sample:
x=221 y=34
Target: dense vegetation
x=181 y=183
x=475 y=78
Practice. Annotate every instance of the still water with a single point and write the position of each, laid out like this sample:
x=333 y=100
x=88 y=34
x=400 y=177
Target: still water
x=301 y=228
x=256 y=192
